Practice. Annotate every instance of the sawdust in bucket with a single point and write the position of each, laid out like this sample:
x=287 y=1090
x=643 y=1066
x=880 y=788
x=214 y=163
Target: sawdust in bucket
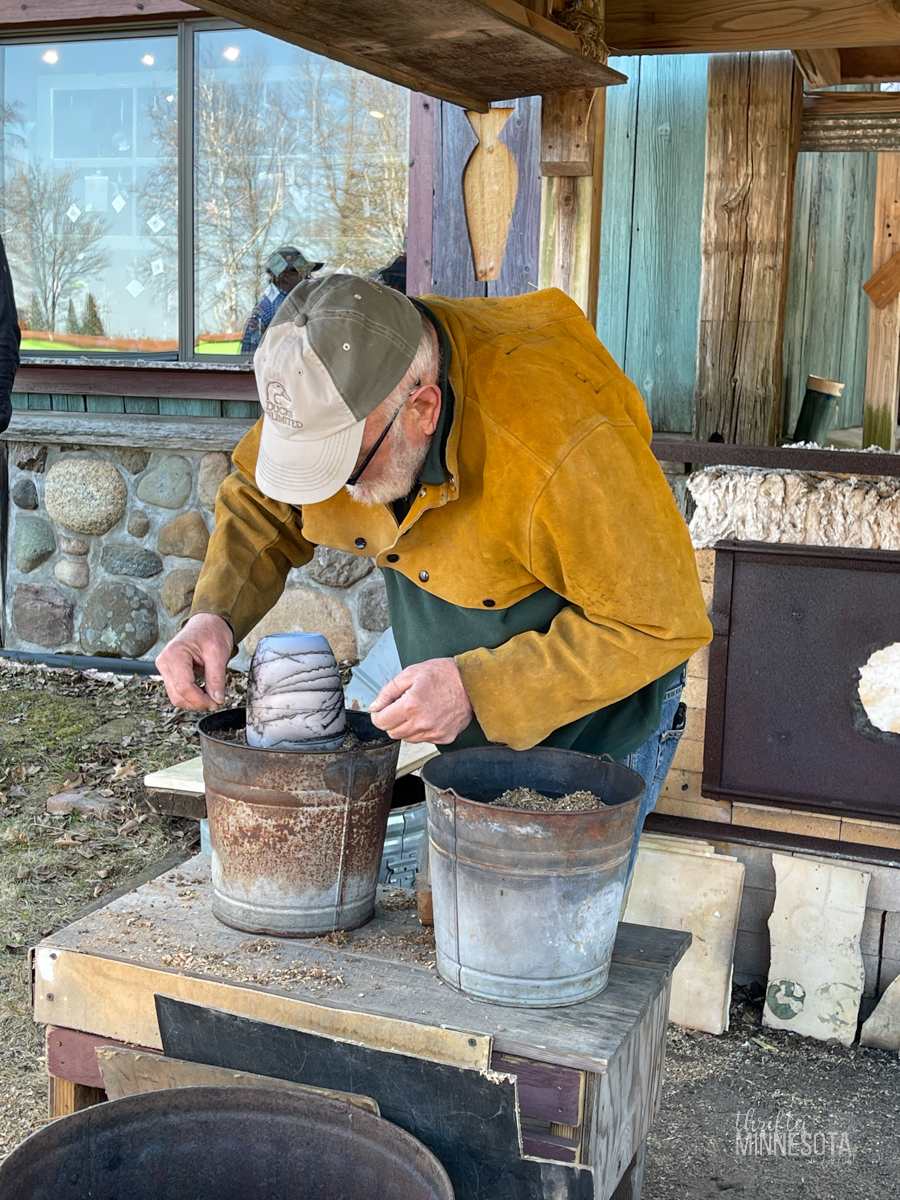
x=529 y=800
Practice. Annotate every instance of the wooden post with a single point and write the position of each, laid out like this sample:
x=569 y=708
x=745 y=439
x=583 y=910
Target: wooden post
x=573 y=128
x=421 y=193
x=883 y=357
x=753 y=129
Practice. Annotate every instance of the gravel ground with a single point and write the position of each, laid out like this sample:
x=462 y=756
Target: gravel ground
x=763 y=1113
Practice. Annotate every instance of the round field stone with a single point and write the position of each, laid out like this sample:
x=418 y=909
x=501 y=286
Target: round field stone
x=118 y=559
x=24 y=494
x=372 y=606
x=336 y=568
x=301 y=610
x=138 y=523
x=177 y=592
x=184 y=537
x=118 y=621
x=214 y=468
x=169 y=485
x=72 y=573
x=42 y=615
x=132 y=459
x=31 y=457
x=86 y=495
x=33 y=542
x=70 y=545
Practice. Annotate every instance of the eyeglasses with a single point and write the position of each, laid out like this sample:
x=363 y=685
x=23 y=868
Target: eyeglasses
x=357 y=474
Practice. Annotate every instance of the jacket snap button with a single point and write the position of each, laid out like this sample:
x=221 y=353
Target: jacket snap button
x=393 y=558
x=423 y=575
x=360 y=543
x=422 y=494
x=489 y=603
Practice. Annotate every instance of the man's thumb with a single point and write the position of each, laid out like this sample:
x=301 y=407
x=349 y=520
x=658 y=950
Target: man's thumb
x=392 y=691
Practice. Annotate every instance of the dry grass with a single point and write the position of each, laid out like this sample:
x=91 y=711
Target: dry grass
x=65 y=731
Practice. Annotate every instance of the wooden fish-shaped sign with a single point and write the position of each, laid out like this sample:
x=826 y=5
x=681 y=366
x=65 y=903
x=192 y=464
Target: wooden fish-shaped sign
x=490 y=184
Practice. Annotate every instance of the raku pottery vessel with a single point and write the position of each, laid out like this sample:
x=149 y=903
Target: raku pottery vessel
x=295 y=700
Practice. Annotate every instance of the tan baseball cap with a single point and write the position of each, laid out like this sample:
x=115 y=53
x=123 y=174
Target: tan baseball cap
x=336 y=348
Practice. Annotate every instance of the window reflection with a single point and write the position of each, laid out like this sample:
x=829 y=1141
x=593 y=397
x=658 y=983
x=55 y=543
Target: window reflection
x=93 y=269
x=292 y=151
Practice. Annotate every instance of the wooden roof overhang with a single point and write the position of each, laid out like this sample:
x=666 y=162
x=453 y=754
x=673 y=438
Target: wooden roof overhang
x=470 y=52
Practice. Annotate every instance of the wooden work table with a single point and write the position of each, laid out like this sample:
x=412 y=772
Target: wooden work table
x=579 y=1086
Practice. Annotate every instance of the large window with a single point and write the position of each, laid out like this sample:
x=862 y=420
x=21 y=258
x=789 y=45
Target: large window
x=140 y=218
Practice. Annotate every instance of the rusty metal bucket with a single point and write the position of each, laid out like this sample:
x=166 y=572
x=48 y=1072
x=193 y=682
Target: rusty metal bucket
x=526 y=904
x=296 y=837
x=222 y=1143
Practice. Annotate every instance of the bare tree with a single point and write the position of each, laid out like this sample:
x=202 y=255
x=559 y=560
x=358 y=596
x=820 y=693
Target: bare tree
x=48 y=238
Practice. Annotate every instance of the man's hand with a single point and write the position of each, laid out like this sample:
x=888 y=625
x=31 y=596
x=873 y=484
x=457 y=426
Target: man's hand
x=202 y=648
x=425 y=703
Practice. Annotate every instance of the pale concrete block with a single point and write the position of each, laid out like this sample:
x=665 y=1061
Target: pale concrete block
x=672 y=890
x=698 y=664
x=883 y=1027
x=706 y=565
x=694 y=694
x=785 y=820
x=682 y=785
x=695 y=724
x=689 y=756
x=871 y=966
x=870 y=938
x=884 y=890
x=888 y=973
x=676 y=843
x=695 y=810
x=870 y=833
x=757 y=864
x=816 y=976
x=890 y=945
x=707 y=590
x=751 y=955
x=756 y=908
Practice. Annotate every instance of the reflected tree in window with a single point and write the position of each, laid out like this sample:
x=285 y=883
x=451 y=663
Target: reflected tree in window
x=353 y=134
x=54 y=243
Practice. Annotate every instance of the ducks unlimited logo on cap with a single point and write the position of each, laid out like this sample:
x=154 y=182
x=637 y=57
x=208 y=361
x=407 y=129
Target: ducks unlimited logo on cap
x=337 y=348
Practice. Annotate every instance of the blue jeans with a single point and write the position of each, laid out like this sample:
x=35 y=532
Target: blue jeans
x=653 y=759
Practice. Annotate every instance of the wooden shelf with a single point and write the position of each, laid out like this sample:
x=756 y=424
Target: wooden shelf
x=470 y=52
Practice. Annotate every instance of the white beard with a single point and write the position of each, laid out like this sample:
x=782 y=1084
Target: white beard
x=398 y=477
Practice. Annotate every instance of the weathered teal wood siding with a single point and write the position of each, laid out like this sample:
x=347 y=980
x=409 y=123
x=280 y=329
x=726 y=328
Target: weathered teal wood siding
x=654 y=170
x=827 y=321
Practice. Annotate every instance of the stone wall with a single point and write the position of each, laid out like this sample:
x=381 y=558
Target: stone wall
x=106 y=540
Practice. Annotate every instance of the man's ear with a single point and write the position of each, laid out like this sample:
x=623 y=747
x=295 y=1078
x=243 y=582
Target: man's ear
x=426 y=406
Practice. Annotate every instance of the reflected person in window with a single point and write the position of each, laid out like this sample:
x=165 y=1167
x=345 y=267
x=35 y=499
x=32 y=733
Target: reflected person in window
x=287 y=267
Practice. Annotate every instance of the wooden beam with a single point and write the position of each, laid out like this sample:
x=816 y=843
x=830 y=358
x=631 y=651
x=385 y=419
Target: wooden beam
x=851 y=104
x=714 y=26
x=567 y=146
x=870 y=64
x=37 y=14
x=571 y=208
x=819 y=68
x=753 y=129
x=470 y=52
x=883 y=357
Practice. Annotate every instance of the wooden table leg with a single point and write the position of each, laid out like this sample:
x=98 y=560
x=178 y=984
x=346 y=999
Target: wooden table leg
x=632 y=1182
x=65 y=1097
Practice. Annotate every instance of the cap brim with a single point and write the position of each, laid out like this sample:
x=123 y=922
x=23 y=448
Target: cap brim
x=302 y=471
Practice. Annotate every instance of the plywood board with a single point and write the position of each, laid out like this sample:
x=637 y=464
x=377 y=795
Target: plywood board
x=133 y=1072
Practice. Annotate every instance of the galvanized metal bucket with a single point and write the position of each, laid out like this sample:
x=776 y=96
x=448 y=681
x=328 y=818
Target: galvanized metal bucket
x=296 y=838
x=526 y=904
x=223 y=1143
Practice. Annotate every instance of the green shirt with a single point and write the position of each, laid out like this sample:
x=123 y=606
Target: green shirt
x=427 y=627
